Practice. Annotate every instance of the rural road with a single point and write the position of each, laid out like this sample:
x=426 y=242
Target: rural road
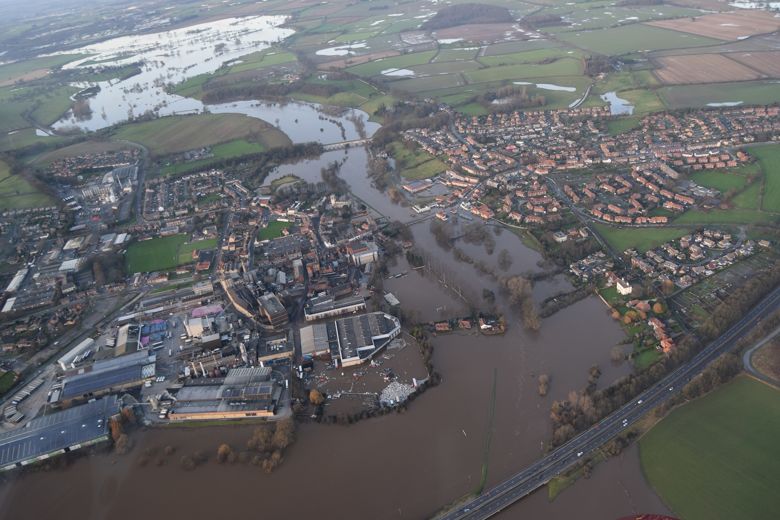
x=567 y=455
x=747 y=359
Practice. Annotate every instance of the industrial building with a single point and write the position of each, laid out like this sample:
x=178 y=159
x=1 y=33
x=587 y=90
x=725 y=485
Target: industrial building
x=273 y=311
x=244 y=393
x=326 y=306
x=362 y=253
x=350 y=341
x=275 y=350
x=78 y=353
x=57 y=433
x=128 y=339
x=111 y=375
x=17 y=280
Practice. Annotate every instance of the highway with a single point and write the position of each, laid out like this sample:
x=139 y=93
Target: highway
x=567 y=455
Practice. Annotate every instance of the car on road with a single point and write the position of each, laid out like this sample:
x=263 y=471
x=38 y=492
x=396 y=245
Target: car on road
x=639 y=402
x=671 y=388
x=579 y=454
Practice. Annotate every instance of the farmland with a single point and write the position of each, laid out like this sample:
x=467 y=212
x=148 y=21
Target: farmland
x=767 y=63
x=180 y=133
x=22 y=107
x=702 y=68
x=163 y=253
x=633 y=38
x=724 y=26
x=16 y=192
x=33 y=69
x=693 y=457
x=694 y=96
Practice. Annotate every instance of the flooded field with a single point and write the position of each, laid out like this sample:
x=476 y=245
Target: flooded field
x=167 y=58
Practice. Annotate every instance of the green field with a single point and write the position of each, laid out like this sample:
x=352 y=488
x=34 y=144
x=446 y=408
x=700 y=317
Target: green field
x=230 y=149
x=535 y=56
x=416 y=163
x=193 y=87
x=27 y=137
x=173 y=134
x=273 y=230
x=445 y=55
x=376 y=67
x=769 y=159
x=23 y=107
x=560 y=67
x=163 y=253
x=716 y=458
x=185 y=250
x=641 y=239
x=722 y=181
x=14 y=71
x=632 y=38
x=621 y=125
x=16 y=192
x=694 y=96
x=727 y=216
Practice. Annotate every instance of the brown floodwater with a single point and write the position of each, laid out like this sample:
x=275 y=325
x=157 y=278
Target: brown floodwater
x=403 y=465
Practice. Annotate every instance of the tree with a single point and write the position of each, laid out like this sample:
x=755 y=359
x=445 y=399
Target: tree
x=544 y=384
x=223 y=453
x=659 y=308
x=504 y=259
x=315 y=397
x=260 y=440
x=122 y=444
x=284 y=434
x=616 y=354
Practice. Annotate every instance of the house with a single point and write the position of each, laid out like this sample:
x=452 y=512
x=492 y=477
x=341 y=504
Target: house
x=623 y=287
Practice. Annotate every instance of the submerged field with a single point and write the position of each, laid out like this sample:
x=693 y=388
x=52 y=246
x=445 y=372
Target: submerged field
x=716 y=458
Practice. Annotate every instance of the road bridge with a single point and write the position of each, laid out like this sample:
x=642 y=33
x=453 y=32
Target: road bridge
x=341 y=145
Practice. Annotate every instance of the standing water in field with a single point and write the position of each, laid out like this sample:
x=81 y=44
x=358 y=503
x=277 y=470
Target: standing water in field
x=167 y=58
x=617 y=106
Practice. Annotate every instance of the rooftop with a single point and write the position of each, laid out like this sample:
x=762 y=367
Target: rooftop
x=57 y=431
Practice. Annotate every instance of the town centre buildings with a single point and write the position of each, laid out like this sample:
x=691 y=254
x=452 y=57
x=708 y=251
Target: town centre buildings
x=350 y=341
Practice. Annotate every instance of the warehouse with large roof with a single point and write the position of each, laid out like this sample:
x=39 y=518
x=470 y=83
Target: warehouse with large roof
x=57 y=433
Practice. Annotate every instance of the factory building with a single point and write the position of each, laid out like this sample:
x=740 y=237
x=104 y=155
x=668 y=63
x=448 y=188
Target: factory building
x=326 y=306
x=110 y=375
x=68 y=360
x=244 y=393
x=350 y=341
x=57 y=433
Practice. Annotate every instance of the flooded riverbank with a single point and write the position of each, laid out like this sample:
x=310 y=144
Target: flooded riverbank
x=397 y=466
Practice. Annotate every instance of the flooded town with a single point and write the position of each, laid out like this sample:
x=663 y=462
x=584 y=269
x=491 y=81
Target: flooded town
x=265 y=252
